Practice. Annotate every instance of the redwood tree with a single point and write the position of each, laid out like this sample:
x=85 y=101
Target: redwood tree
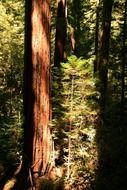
x=36 y=89
x=102 y=69
x=60 y=38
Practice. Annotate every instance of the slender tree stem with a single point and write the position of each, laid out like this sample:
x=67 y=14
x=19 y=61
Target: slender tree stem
x=70 y=127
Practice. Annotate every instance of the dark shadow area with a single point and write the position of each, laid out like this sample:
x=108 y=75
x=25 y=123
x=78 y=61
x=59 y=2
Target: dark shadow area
x=11 y=145
x=22 y=181
x=52 y=184
x=9 y=170
x=112 y=149
x=57 y=99
x=58 y=116
x=111 y=135
x=60 y=34
x=82 y=38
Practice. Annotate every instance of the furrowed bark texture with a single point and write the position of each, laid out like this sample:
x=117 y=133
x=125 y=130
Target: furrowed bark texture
x=37 y=88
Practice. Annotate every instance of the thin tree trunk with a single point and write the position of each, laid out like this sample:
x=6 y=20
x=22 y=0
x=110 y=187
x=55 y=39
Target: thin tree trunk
x=97 y=36
x=72 y=40
x=76 y=11
x=70 y=128
x=103 y=77
x=60 y=38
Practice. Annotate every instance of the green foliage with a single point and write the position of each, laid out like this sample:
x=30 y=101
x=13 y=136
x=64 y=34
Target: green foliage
x=11 y=72
x=11 y=142
x=77 y=99
x=81 y=23
x=74 y=96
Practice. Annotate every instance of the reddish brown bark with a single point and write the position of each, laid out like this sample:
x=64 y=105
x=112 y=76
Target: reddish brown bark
x=41 y=61
x=37 y=88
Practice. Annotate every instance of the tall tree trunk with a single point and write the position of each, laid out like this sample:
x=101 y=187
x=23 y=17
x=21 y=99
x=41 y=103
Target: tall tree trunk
x=60 y=38
x=124 y=63
x=97 y=36
x=76 y=12
x=59 y=56
x=103 y=61
x=36 y=90
x=104 y=50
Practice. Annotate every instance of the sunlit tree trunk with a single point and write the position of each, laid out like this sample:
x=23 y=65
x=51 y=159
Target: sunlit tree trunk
x=60 y=38
x=37 y=89
x=104 y=50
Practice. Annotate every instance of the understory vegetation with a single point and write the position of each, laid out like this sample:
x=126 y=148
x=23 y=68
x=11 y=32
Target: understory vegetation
x=89 y=147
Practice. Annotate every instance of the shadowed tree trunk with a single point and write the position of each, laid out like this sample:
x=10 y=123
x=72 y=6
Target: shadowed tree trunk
x=60 y=38
x=36 y=92
x=101 y=132
x=104 y=50
x=97 y=36
x=59 y=56
x=76 y=12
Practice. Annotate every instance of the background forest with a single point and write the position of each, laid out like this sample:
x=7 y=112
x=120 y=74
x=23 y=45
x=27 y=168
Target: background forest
x=88 y=94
